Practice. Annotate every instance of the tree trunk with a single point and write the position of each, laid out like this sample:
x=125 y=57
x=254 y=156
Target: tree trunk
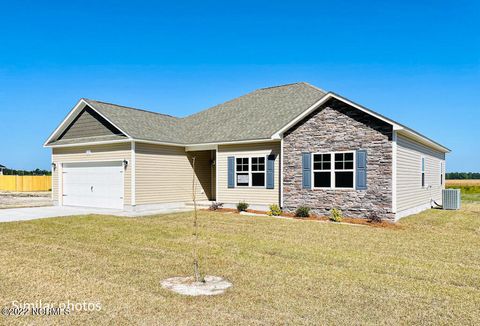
x=196 y=268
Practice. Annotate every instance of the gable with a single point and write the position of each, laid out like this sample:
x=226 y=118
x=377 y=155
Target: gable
x=89 y=123
x=338 y=122
x=141 y=124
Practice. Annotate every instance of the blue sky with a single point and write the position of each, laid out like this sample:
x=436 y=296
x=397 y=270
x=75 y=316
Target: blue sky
x=417 y=62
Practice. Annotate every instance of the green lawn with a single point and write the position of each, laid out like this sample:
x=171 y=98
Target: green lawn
x=426 y=271
x=471 y=197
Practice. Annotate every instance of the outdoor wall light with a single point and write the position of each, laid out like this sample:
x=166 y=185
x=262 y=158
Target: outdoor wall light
x=54 y=166
x=125 y=164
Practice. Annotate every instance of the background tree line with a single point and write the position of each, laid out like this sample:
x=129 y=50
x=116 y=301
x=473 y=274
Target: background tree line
x=25 y=172
x=462 y=175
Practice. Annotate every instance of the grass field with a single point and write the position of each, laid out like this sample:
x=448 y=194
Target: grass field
x=470 y=182
x=426 y=271
x=470 y=189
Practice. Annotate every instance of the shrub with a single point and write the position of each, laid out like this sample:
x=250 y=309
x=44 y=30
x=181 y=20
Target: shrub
x=302 y=211
x=242 y=206
x=336 y=215
x=214 y=206
x=373 y=217
x=274 y=210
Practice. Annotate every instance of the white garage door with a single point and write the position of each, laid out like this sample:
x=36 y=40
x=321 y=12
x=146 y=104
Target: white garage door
x=93 y=184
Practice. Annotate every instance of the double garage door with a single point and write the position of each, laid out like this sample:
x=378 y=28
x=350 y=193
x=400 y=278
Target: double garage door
x=93 y=184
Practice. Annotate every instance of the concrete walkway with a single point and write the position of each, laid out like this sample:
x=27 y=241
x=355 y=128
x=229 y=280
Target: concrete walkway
x=32 y=213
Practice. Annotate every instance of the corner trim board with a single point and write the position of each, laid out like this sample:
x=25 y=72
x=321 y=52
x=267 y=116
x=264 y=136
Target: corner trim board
x=133 y=172
x=217 y=191
x=60 y=184
x=281 y=172
x=394 y=171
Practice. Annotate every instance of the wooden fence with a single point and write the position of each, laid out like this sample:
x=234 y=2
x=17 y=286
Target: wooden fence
x=25 y=183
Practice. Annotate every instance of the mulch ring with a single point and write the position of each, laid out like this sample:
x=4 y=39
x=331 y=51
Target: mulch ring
x=313 y=217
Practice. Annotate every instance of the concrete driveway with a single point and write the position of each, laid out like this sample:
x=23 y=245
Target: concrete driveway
x=32 y=213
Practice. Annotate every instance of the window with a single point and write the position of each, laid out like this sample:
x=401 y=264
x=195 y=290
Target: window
x=441 y=173
x=258 y=171
x=423 y=172
x=344 y=170
x=242 y=171
x=337 y=174
x=250 y=171
x=322 y=175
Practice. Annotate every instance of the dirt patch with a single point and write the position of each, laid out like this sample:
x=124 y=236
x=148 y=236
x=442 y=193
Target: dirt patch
x=25 y=199
x=359 y=221
x=213 y=285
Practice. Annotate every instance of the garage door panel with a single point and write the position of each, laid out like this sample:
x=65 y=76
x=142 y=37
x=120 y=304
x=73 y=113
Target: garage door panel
x=93 y=184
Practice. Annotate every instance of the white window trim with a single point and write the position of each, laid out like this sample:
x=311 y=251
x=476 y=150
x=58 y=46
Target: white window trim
x=423 y=174
x=333 y=170
x=250 y=171
x=442 y=177
x=133 y=172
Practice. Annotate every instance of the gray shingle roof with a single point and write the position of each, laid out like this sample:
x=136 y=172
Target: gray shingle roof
x=140 y=124
x=88 y=139
x=256 y=115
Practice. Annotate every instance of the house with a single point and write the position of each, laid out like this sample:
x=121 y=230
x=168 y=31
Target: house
x=2 y=167
x=289 y=145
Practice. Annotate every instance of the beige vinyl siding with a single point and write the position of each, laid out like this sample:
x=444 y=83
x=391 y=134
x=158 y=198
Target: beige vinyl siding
x=214 y=175
x=111 y=152
x=203 y=172
x=410 y=193
x=89 y=124
x=164 y=174
x=252 y=195
x=54 y=185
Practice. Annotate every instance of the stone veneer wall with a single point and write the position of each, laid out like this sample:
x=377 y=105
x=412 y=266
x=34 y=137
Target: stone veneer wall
x=337 y=126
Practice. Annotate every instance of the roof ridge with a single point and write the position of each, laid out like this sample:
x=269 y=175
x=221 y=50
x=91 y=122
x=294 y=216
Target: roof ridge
x=296 y=83
x=313 y=86
x=282 y=85
x=220 y=104
x=132 y=108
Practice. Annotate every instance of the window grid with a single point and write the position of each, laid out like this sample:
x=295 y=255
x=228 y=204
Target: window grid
x=322 y=162
x=258 y=164
x=242 y=164
x=344 y=161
